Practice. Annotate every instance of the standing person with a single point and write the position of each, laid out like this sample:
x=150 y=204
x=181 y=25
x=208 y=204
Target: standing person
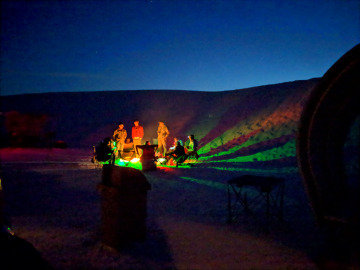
x=162 y=132
x=119 y=137
x=137 y=135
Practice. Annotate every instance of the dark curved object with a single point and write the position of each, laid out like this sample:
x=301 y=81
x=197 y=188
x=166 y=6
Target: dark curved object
x=102 y=151
x=123 y=206
x=17 y=253
x=331 y=109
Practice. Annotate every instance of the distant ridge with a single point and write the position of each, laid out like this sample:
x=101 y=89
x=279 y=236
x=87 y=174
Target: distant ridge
x=120 y=90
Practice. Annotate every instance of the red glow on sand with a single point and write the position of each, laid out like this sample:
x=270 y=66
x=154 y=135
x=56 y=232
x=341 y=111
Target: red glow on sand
x=165 y=169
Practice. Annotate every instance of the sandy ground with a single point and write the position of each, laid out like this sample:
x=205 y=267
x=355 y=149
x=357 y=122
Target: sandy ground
x=52 y=202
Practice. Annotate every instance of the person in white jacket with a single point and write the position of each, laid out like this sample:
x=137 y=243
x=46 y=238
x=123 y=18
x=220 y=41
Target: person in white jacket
x=163 y=133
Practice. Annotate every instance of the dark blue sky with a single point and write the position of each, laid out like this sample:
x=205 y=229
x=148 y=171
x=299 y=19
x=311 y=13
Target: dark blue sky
x=207 y=45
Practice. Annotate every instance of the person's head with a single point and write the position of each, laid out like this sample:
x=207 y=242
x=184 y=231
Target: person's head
x=175 y=139
x=136 y=123
x=161 y=123
x=121 y=125
x=191 y=137
x=178 y=143
x=107 y=140
x=128 y=140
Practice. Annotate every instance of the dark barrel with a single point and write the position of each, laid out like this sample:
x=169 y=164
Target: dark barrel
x=123 y=193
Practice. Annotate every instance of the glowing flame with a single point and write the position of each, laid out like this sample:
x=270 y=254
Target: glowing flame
x=134 y=160
x=161 y=160
x=10 y=231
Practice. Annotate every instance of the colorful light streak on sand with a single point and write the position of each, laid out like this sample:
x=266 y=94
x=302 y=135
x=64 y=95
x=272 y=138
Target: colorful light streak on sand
x=252 y=131
x=286 y=150
x=136 y=164
x=206 y=182
x=259 y=142
x=284 y=170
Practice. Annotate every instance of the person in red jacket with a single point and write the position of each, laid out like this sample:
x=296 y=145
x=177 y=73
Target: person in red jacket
x=137 y=135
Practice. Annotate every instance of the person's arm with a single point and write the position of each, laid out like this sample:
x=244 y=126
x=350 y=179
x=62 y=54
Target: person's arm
x=155 y=146
x=141 y=132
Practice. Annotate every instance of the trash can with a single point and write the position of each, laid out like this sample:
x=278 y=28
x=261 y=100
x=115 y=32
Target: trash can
x=123 y=193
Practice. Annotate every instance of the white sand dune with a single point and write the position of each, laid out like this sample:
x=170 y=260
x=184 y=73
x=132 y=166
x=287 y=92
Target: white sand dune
x=52 y=201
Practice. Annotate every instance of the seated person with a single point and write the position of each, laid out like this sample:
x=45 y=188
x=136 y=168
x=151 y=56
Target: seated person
x=175 y=142
x=128 y=151
x=178 y=154
x=191 y=148
x=128 y=146
x=148 y=151
x=104 y=151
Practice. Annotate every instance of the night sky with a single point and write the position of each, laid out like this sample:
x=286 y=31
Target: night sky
x=206 y=45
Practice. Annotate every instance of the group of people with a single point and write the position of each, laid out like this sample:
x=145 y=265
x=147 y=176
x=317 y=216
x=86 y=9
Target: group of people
x=137 y=133
x=178 y=152
x=120 y=136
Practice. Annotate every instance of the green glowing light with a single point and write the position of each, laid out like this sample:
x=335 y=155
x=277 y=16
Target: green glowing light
x=254 y=139
x=241 y=129
x=183 y=165
x=283 y=170
x=249 y=142
x=206 y=183
x=124 y=163
x=286 y=150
